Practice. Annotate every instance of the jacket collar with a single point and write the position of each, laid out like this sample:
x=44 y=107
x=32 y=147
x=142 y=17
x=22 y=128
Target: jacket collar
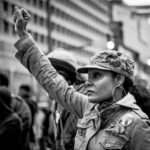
x=128 y=101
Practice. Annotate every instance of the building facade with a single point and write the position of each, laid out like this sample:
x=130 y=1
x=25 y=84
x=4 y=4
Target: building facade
x=135 y=37
x=80 y=26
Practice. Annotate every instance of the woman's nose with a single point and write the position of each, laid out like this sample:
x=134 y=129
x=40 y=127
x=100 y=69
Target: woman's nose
x=88 y=83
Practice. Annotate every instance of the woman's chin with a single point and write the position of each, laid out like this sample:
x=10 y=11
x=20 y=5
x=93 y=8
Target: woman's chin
x=93 y=99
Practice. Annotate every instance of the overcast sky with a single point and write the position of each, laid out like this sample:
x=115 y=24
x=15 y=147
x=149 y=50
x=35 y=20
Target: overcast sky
x=137 y=2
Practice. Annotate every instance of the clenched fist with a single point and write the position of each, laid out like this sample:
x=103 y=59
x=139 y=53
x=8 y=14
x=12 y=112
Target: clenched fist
x=21 y=19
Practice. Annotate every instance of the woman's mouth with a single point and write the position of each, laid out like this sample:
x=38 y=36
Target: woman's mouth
x=89 y=93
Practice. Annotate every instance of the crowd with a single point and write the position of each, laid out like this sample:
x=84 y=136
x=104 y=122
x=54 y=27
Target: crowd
x=104 y=111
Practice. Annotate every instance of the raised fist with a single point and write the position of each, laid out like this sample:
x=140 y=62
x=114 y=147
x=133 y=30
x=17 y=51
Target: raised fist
x=21 y=19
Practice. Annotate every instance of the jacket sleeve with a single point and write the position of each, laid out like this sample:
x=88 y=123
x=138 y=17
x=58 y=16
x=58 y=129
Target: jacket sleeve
x=140 y=137
x=38 y=64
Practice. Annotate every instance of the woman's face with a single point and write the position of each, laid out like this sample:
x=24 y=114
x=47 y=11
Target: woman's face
x=101 y=83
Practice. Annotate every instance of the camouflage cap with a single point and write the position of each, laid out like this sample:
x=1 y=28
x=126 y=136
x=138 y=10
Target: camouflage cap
x=111 y=60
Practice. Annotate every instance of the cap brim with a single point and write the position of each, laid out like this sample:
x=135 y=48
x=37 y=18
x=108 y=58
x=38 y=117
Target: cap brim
x=86 y=68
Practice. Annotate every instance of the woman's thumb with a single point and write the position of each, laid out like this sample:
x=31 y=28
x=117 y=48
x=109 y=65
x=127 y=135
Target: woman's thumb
x=18 y=13
x=16 y=8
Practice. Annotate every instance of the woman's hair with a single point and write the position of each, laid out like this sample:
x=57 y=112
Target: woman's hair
x=142 y=96
x=128 y=83
x=140 y=93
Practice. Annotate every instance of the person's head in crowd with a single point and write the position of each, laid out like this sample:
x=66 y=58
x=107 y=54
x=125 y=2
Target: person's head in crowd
x=142 y=96
x=65 y=64
x=110 y=76
x=4 y=81
x=5 y=99
x=81 y=79
x=25 y=91
x=80 y=83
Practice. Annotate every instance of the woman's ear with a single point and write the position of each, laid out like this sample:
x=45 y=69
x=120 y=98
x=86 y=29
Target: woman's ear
x=119 y=80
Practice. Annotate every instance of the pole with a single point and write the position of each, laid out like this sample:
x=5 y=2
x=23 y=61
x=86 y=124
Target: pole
x=48 y=24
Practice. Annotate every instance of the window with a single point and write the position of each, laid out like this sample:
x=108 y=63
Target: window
x=6 y=27
x=42 y=38
x=41 y=4
x=5 y=6
x=41 y=21
x=36 y=36
x=13 y=9
x=28 y=1
x=34 y=2
x=35 y=18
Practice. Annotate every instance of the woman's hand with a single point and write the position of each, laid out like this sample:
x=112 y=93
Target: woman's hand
x=21 y=19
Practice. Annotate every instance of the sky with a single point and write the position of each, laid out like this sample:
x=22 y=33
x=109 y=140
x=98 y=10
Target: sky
x=137 y=2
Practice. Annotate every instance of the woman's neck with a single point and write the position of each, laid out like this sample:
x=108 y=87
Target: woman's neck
x=106 y=103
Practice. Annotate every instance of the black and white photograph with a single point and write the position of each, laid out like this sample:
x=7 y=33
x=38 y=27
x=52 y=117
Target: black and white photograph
x=74 y=74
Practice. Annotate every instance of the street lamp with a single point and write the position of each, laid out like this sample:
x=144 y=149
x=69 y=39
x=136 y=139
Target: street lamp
x=110 y=45
x=149 y=20
x=148 y=62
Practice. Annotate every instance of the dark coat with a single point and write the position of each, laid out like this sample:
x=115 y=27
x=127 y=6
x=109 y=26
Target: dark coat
x=21 y=108
x=10 y=123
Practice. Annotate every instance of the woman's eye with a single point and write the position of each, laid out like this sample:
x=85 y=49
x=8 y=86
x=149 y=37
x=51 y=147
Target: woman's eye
x=96 y=75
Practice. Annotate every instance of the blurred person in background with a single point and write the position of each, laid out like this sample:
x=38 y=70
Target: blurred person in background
x=42 y=121
x=10 y=123
x=81 y=84
x=110 y=117
x=25 y=92
x=21 y=108
x=63 y=123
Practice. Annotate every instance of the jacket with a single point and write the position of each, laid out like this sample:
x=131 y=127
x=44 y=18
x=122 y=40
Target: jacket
x=21 y=108
x=63 y=124
x=10 y=132
x=62 y=130
x=127 y=128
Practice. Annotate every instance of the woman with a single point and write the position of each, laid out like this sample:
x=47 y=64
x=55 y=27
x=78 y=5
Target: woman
x=109 y=116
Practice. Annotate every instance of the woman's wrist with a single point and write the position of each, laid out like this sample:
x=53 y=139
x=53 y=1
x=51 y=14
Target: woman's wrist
x=21 y=34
